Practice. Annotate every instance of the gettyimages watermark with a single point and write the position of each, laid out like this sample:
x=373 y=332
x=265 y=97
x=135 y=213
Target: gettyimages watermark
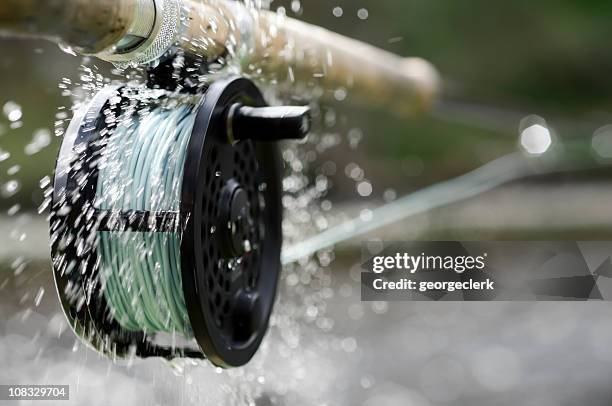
x=486 y=270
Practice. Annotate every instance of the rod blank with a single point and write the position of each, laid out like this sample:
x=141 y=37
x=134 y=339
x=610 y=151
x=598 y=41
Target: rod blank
x=140 y=31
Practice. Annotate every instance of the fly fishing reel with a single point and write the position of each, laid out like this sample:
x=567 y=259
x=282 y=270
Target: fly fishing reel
x=166 y=221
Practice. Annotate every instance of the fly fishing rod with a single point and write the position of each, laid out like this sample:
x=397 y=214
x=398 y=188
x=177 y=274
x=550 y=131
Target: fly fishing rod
x=166 y=212
x=136 y=32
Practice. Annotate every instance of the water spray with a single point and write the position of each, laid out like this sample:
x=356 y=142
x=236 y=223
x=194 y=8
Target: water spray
x=166 y=213
x=166 y=219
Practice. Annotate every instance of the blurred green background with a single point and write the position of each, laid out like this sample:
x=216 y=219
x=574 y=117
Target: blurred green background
x=500 y=61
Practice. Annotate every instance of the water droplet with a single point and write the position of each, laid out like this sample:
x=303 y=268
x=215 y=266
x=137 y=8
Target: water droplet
x=14 y=209
x=41 y=140
x=337 y=11
x=366 y=215
x=39 y=296
x=389 y=195
x=363 y=14
x=44 y=182
x=4 y=155
x=13 y=170
x=12 y=111
x=602 y=142
x=364 y=188
x=296 y=6
x=10 y=188
x=340 y=94
x=177 y=367
x=353 y=171
x=44 y=205
x=536 y=139
x=349 y=344
x=67 y=49
x=355 y=135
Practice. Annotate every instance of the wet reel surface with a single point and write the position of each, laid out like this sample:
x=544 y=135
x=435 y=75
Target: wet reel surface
x=229 y=222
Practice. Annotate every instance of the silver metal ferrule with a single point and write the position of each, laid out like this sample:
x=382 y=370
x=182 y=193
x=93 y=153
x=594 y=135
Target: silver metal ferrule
x=155 y=29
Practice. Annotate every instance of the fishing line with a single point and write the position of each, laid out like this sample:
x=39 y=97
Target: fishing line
x=496 y=173
x=142 y=170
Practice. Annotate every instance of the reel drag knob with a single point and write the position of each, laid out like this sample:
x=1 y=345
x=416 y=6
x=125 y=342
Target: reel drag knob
x=235 y=221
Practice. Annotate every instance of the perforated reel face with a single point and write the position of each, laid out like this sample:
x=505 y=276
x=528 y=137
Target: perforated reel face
x=234 y=235
x=231 y=268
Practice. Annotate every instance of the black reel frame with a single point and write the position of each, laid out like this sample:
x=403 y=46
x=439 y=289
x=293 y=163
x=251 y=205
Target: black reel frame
x=229 y=219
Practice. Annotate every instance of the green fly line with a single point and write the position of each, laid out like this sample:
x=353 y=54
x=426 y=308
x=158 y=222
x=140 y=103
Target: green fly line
x=142 y=169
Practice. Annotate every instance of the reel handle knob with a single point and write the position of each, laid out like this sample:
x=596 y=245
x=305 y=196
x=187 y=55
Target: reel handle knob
x=268 y=123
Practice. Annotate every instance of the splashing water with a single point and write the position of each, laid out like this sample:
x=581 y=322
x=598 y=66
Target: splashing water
x=308 y=356
x=306 y=297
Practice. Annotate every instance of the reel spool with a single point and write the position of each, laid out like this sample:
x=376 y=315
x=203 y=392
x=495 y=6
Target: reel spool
x=219 y=237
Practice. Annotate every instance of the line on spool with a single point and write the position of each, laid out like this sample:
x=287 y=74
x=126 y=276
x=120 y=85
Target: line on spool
x=142 y=170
